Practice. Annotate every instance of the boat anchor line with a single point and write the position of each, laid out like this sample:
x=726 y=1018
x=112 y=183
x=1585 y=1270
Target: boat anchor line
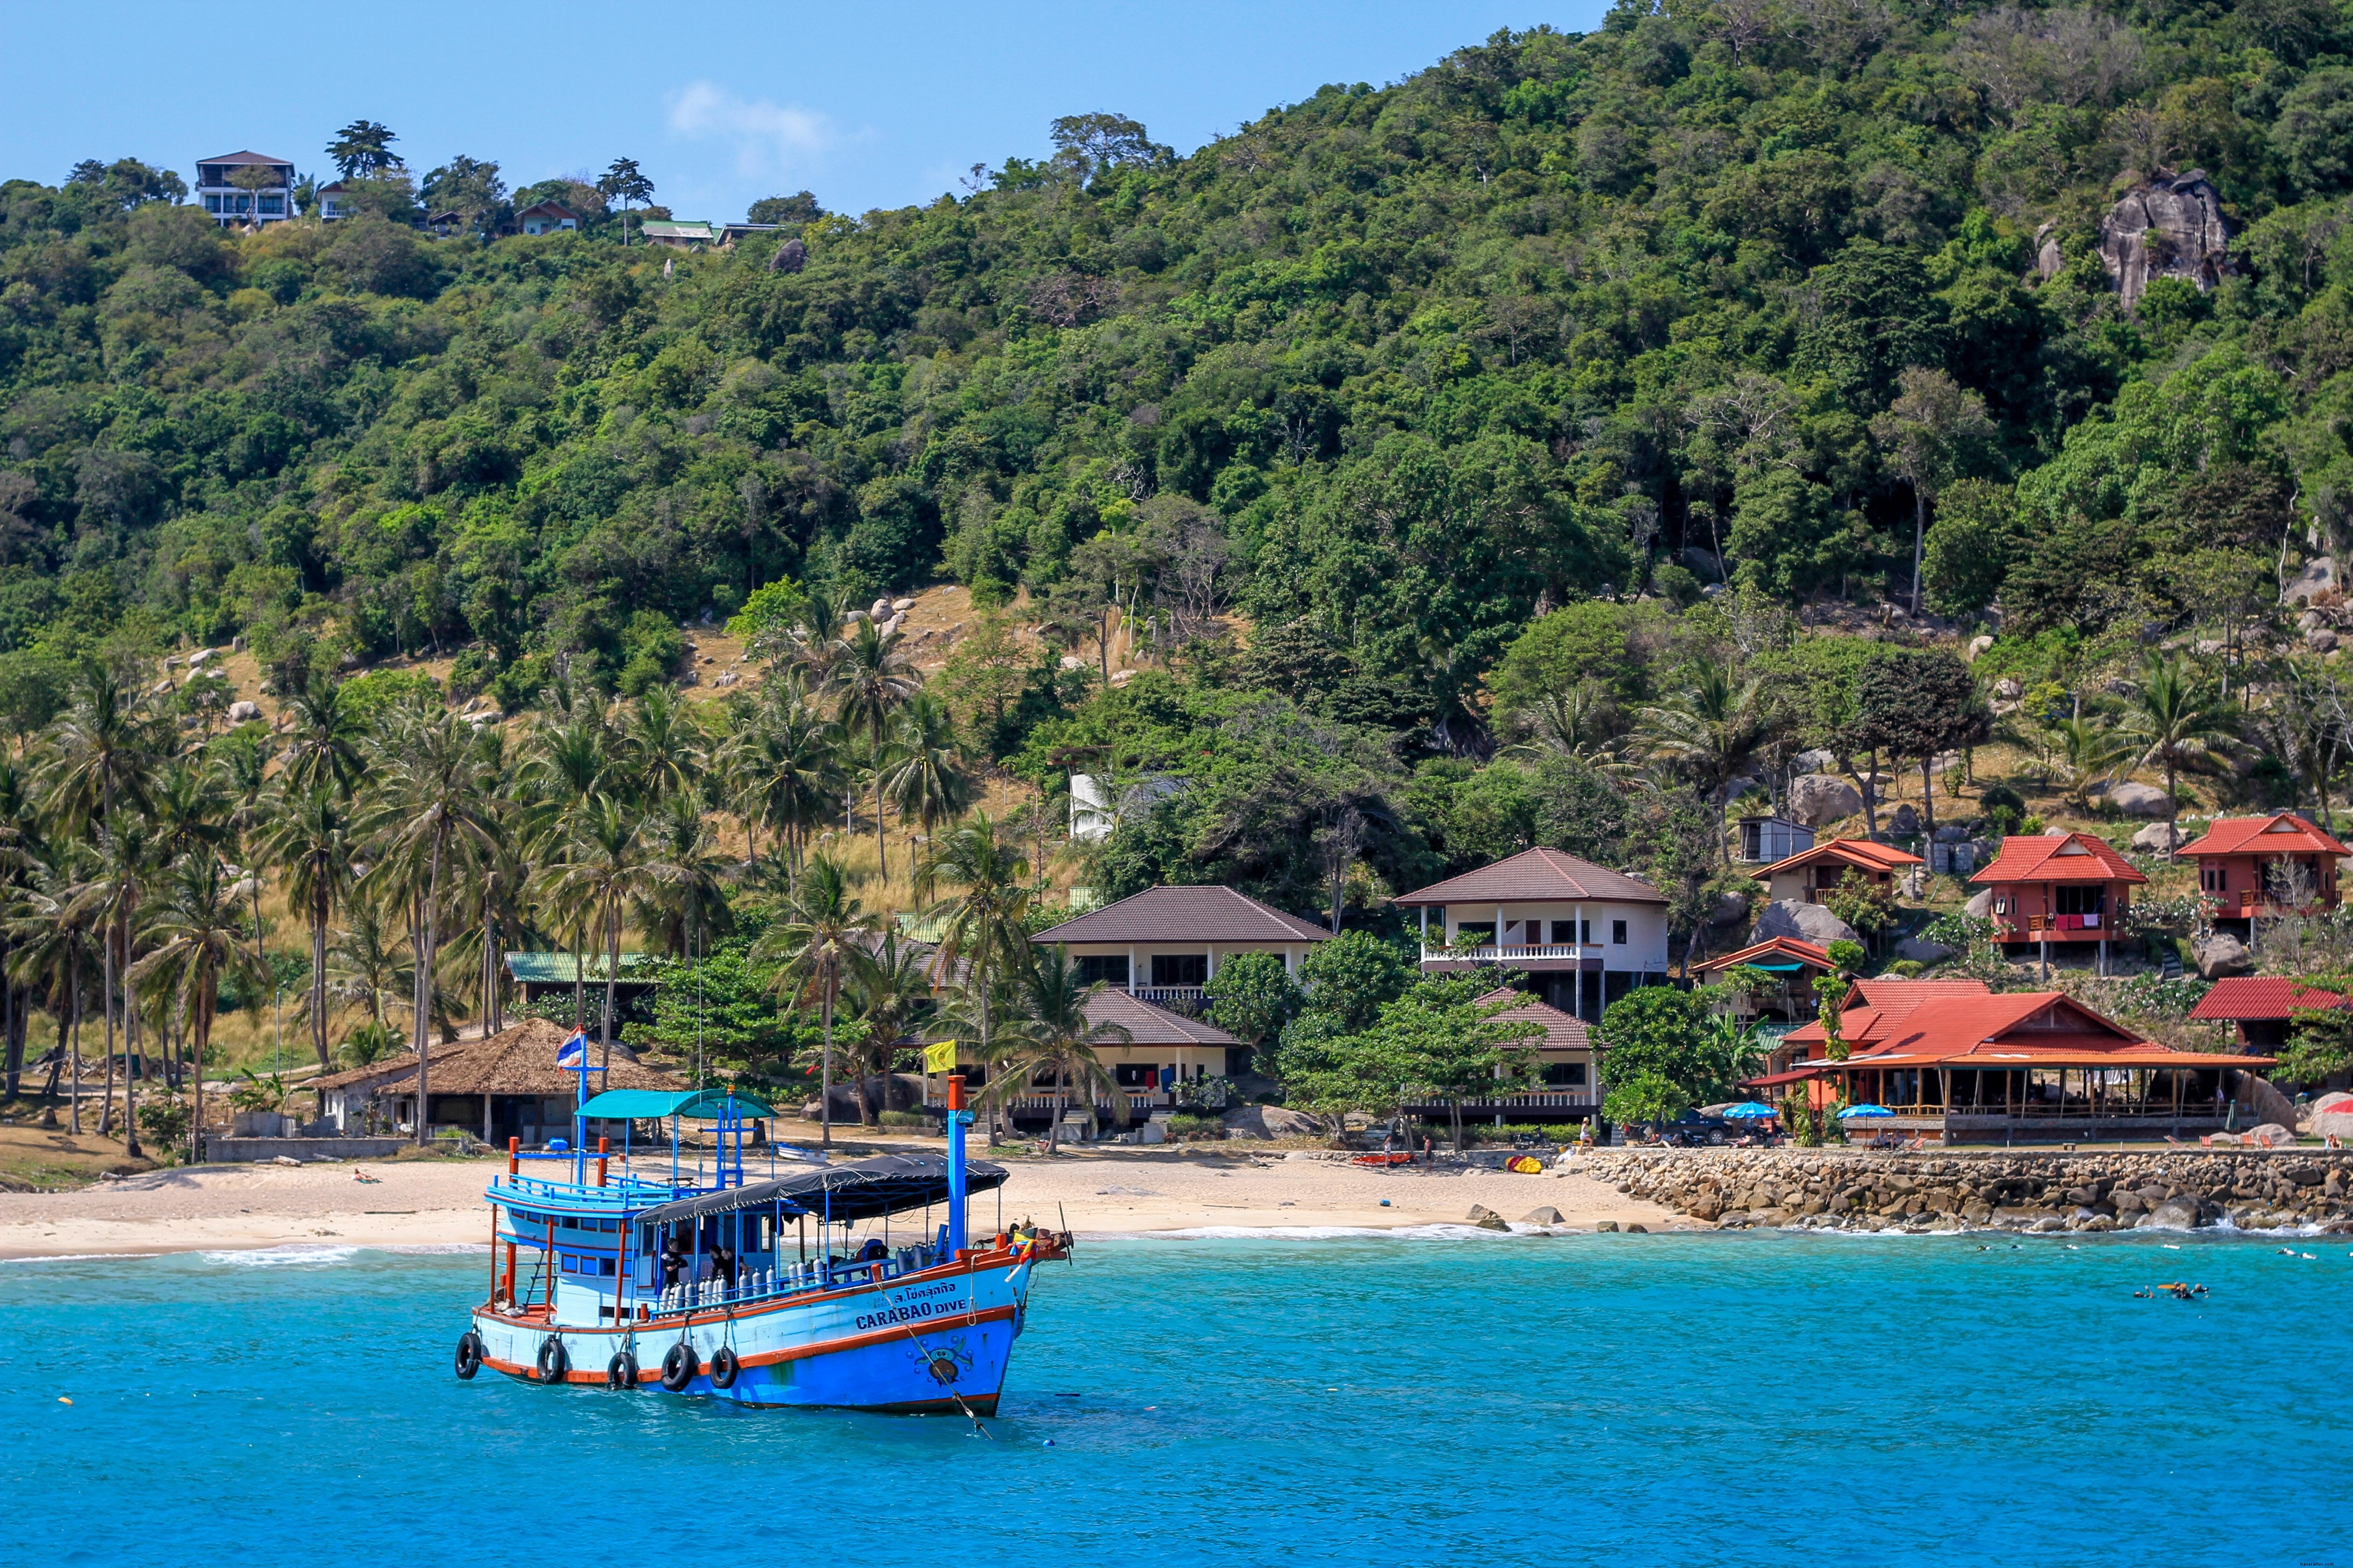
x=948 y=1383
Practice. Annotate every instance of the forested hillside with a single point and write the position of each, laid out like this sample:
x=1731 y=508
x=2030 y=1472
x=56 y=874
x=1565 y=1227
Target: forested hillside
x=1339 y=408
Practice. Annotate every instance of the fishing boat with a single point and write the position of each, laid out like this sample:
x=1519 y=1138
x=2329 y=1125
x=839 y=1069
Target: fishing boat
x=811 y=1284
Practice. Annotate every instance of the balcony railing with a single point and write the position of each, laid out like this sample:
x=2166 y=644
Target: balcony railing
x=1512 y=952
x=1570 y=1100
x=1187 y=999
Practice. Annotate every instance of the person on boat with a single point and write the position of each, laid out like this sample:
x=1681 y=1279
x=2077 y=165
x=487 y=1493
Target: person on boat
x=722 y=1266
x=673 y=1260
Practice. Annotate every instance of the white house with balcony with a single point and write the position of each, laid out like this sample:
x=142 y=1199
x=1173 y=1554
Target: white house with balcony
x=227 y=202
x=1163 y=944
x=1583 y=934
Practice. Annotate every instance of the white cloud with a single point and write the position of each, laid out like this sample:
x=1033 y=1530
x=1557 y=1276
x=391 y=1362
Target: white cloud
x=769 y=137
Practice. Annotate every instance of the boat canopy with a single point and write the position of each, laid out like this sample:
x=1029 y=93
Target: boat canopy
x=655 y=1104
x=863 y=1189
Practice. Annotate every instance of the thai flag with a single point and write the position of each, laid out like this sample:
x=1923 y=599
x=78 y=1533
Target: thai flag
x=573 y=1052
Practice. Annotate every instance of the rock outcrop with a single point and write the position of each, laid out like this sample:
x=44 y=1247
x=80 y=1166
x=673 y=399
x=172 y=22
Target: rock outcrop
x=1805 y=921
x=1993 y=1189
x=2171 y=226
x=1817 y=798
x=2141 y=800
x=2220 y=955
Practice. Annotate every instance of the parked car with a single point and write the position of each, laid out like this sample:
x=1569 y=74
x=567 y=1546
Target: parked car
x=1692 y=1130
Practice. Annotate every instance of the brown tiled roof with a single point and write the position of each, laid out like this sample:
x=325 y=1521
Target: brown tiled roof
x=519 y=1060
x=1534 y=876
x=1186 y=914
x=1561 y=1031
x=548 y=210
x=249 y=157
x=1149 y=1025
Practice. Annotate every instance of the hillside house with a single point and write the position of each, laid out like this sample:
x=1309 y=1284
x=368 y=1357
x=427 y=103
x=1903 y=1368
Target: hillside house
x=1163 y=944
x=1812 y=874
x=1583 y=934
x=226 y=203
x=1765 y=839
x=2257 y=1010
x=1568 y=1060
x=2264 y=868
x=2062 y=889
x=547 y=217
x=334 y=202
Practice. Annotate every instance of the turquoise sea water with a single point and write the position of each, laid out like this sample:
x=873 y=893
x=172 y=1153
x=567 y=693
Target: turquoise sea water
x=1718 y=1399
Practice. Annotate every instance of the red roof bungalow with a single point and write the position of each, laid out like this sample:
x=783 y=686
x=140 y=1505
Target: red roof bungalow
x=1793 y=963
x=1958 y=1061
x=2050 y=888
x=2262 y=1005
x=2265 y=866
x=1810 y=873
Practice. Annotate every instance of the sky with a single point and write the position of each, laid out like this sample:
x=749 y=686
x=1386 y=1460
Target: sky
x=869 y=104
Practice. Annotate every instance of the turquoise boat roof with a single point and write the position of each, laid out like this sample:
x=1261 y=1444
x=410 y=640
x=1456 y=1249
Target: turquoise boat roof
x=655 y=1104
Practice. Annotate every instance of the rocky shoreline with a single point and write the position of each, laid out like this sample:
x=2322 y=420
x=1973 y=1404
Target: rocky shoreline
x=2006 y=1190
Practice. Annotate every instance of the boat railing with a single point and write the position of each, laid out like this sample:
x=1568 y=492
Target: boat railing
x=753 y=1285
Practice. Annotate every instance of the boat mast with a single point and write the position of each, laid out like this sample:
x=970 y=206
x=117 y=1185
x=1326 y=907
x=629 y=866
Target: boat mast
x=958 y=1120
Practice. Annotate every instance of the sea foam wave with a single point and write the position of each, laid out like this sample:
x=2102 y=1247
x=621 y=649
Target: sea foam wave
x=282 y=1257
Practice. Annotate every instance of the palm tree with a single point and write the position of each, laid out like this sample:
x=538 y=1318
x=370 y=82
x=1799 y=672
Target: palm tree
x=2085 y=753
x=891 y=986
x=241 y=772
x=608 y=860
x=48 y=937
x=686 y=903
x=567 y=765
x=322 y=743
x=871 y=681
x=1056 y=1036
x=986 y=923
x=2177 y=718
x=366 y=963
x=310 y=838
x=123 y=864
x=926 y=781
x=431 y=806
x=662 y=745
x=1712 y=732
x=196 y=925
x=787 y=763
x=814 y=942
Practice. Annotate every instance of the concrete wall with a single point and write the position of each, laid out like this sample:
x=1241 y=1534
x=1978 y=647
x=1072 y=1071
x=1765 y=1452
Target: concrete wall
x=218 y=1150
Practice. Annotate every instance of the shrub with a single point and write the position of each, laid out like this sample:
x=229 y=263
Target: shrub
x=1186 y=1125
x=164 y=1119
x=912 y=1120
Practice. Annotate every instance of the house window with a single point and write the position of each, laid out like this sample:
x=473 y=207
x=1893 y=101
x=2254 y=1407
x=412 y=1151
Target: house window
x=2213 y=879
x=1566 y=932
x=1563 y=1075
x=1136 y=1075
x=1180 y=969
x=1617 y=933
x=1102 y=970
x=212 y=203
x=2080 y=901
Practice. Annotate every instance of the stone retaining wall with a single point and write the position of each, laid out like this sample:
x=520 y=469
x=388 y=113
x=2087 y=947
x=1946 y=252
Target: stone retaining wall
x=2005 y=1190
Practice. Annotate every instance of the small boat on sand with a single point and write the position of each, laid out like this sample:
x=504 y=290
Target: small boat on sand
x=815 y=1285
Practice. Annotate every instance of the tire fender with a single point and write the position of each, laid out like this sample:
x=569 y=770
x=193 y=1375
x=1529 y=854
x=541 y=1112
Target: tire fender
x=621 y=1372
x=724 y=1367
x=678 y=1367
x=470 y=1354
x=553 y=1361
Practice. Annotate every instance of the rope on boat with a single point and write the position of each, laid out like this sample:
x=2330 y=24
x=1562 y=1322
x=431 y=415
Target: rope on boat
x=951 y=1388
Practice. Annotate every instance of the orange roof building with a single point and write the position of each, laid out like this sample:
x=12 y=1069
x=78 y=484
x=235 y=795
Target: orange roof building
x=1957 y=1061
x=1794 y=965
x=2262 y=868
x=2059 y=888
x=1810 y=873
x=2262 y=1006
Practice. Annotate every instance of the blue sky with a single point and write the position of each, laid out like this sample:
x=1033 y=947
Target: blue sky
x=871 y=104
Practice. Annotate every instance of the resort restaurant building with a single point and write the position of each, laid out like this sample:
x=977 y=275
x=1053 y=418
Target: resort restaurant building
x=1582 y=934
x=1956 y=1062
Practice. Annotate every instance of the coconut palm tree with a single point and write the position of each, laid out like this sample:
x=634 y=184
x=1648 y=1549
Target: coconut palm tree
x=367 y=961
x=926 y=781
x=812 y=944
x=890 y=986
x=309 y=837
x=196 y=926
x=662 y=745
x=609 y=859
x=1055 y=1035
x=785 y=766
x=322 y=738
x=2085 y=754
x=49 y=937
x=985 y=923
x=1711 y=731
x=2177 y=719
x=870 y=680
x=120 y=868
x=429 y=807
x=686 y=903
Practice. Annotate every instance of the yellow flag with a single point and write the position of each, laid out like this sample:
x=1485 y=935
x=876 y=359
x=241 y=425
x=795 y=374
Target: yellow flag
x=940 y=1058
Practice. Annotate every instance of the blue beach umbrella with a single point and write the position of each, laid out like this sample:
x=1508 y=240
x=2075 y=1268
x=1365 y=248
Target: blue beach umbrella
x=1864 y=1111
x=1750 y=1112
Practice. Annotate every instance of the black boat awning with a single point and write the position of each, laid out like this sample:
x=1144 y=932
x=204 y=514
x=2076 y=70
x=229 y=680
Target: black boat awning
x=864 y=1189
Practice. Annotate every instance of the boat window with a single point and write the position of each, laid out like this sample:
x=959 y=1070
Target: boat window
x=569 y=1261
x=605 y=1266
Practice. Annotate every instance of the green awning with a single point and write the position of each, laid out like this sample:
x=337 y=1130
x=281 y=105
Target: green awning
x=659 y=1104
x=555 y=968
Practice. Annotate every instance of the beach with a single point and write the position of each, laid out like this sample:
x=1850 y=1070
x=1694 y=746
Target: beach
x=1095 y=1193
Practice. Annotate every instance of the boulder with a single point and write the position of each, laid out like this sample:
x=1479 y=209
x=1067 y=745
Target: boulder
x=2173 y=1213
x=1980 y=905
x=201 y=657
x=1732 y=789
x=2270 y=1135
x=2318 y=576
x=2167 y=227
x=1806 y=922
x=1951 y=833
x=2332 y=1116
x=1820 y=759
x=1270 y=1122
x=1702 y=564
x=1546 y=1216
x=1977 y=646
x=2320 y=639
x=1905 y=821
x=1731 y=909
x=1486 y=1218
x=901 y=606
x=2009 y=688
x=1920 y=950
x=880 y=608
x=2220 y=955
x=1604 y=1226
x=244 y=712
x=2159 y=838
x=2141 y=800
x=1818 y=798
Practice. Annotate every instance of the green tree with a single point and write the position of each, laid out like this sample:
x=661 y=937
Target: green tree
x=1053 y=1033
x=811 y=945
x=1438 y=1039
x=2178 y=718
x=1354 y=976
x=1252 y=996
x=362 y=149
x=1931 y=433
x=198 y=941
